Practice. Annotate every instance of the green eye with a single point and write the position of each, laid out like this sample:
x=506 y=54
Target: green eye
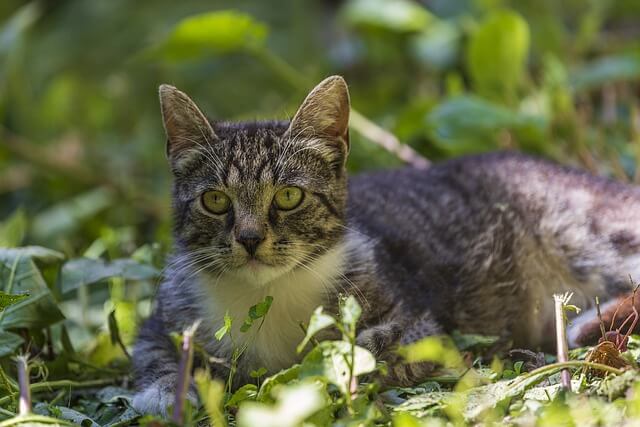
x=288 y=198
x=216 y=202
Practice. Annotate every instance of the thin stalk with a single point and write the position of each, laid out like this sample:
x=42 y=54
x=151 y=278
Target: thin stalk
x=24 y=403
x=561 y=338
x=184 y=374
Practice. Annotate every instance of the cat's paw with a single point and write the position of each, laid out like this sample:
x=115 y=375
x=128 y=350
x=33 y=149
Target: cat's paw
x=158 y=397
x=381 y=339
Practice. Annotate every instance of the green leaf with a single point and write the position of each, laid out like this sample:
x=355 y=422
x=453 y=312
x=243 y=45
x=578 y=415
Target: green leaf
x=467 y=124
x=67 y=216
x=258 y=372
x=402 y=16
x=472 y=341
x=318 y=321
x=329 y=360
x=214 y=33
x=606 y=71
x=294 y=405
x=7 y=299
x=497 y=54
x=13 y=229
x=84 y=271
x=246 y=392
x=9 y=342
x=224 y=330
x=20 y=275
x=350 y=312
x=211 y=393
x=283 y=377
x=438 y=349
x=256 y=312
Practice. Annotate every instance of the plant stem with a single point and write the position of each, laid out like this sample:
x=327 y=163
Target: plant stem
x=358 y=122
x=23 y=382
x=561 y=338
x=184 y=374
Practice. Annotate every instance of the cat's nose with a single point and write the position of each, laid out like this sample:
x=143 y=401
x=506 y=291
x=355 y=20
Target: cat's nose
x=250 y=239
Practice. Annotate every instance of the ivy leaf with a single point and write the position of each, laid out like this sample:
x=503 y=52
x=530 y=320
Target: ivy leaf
x=256 y=312
x=318 y=321
x=329 y=360
x=246 y=392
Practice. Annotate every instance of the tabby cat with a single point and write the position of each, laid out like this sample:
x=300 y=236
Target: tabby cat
x=477 y=244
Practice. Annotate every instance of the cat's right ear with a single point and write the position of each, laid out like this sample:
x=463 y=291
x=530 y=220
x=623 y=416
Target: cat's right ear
x=186 y=127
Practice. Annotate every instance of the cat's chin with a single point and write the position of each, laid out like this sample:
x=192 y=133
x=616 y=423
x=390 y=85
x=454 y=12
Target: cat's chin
x=257 y=274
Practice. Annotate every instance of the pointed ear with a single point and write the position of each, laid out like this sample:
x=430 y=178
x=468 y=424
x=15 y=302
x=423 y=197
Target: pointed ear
x=185 y=125
x=324 y=114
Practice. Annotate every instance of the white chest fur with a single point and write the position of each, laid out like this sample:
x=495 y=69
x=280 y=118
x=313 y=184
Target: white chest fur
x=295 y=295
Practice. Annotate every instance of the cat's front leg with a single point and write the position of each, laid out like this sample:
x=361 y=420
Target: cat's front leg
x=155 y=366
x=383 y=340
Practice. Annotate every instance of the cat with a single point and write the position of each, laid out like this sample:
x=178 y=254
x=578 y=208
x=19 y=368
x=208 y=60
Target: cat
x=478 y=244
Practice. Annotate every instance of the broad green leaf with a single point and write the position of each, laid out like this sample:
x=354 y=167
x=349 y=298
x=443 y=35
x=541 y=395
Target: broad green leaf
x=318 y=321
x=37 y=253
x=467 y=124
x=283 y=377
x=606 y=70
x=84 y=271
x=20 y=275
x=497 y=54
x=68 y=215
x=68 y=414
x=9 y=342
x=8 y=299
x=393 y=15
x=438 y=349
x=294 y=405
x=329 y=360
x=213 y=33
x=13 y=229
x=246 y=392
x=224 y=330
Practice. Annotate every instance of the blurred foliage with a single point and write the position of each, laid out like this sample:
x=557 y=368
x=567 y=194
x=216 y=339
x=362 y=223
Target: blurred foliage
x=82 y=169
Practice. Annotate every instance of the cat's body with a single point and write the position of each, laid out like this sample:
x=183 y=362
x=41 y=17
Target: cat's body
x=478 y=244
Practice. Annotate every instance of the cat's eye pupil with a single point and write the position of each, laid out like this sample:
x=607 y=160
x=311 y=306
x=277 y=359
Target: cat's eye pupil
x=216 y=202
x=288 y=198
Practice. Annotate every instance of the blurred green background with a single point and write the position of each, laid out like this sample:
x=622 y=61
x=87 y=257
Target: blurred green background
x=81 y=142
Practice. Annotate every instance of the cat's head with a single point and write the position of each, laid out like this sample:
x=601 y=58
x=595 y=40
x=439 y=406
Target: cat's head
x=256 y=200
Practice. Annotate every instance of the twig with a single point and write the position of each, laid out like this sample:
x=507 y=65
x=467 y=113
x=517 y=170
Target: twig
x=23 y=383
x=561 y=337
x=387 y=140
x=358 y=122
x=184 y=373
x=602 y=331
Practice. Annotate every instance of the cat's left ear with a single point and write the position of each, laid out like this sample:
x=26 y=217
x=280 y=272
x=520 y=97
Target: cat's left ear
x=324 y=116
